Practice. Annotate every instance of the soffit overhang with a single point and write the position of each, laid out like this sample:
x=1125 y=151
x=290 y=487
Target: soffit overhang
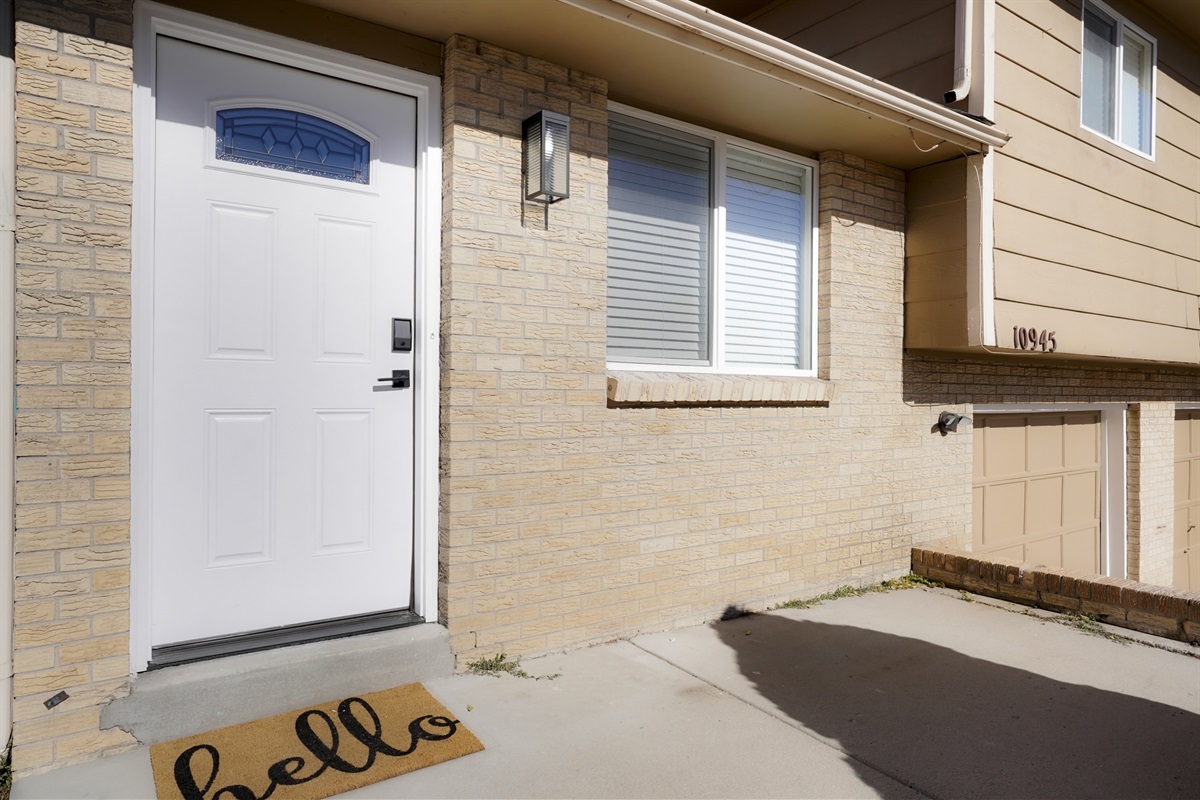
x=682 y=60
x=1182 y=14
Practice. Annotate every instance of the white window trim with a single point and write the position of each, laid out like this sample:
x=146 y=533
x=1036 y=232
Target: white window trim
x=1114 y=456
x=720 y=143
x=1122 y=24
x=153 y=19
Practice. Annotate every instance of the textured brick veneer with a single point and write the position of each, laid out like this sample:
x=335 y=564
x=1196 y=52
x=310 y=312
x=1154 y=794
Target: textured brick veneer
x=1159 y=610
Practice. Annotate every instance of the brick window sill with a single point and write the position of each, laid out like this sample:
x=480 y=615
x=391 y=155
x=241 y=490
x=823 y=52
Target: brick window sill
x=626 y=388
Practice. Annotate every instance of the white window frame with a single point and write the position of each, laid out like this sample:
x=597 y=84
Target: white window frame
x=720 y=144
x=1114 y=456
x=1123 y=24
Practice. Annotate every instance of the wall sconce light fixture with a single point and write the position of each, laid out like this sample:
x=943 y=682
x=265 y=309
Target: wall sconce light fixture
x=947 y=422
x=546 y=138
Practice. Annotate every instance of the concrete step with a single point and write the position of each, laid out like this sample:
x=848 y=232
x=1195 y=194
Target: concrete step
x=188 y=699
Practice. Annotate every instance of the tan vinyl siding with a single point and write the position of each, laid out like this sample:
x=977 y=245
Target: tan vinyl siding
x=1094 y=241
x=907 y=44
x=1033 y=97
x=935 y=273
x=1052 y=241
x=1042 y=189
x=1095 y=335
x=1030 y=281
x=1035 y=142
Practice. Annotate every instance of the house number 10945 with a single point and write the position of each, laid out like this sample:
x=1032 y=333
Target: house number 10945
x=1033 y=339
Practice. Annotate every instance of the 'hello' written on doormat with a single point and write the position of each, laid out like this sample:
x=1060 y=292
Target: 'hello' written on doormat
x=326 y=749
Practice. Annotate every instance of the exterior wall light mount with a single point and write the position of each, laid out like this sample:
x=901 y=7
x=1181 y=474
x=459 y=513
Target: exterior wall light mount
x=546 y=140
x=947 y=422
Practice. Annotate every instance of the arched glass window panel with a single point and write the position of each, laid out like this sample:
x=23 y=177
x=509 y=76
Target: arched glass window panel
x=293 y=142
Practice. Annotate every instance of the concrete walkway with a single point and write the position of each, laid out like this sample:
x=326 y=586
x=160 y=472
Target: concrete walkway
x=901 y=695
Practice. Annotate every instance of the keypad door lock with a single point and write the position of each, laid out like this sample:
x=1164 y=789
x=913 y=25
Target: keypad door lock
x=402 y=335
x=399 y=380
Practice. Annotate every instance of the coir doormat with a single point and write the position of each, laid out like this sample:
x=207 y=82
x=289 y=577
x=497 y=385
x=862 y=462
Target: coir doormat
x=314 y=752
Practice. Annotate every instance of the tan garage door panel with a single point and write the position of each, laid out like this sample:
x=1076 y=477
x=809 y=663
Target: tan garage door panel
x=1187 y=500
x=1037 y=488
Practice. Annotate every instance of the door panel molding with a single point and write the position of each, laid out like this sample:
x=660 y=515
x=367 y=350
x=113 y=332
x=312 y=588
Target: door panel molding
x=1113 y=460
x=153 y=20
x=1185 y=539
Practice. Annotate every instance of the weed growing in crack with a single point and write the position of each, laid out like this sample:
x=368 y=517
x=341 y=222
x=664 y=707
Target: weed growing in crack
x=6 y=772
x=910 y=581
x=1091 y=626
x=500 y=663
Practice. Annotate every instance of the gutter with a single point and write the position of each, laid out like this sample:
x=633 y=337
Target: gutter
x=705 y=31
x=8 y=242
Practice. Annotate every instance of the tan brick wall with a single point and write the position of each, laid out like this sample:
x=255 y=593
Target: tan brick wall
x=1151 y=394
x=74 y=194
x=1151 y=492
x=523 y=381
x=566 y=521
x=936 y=379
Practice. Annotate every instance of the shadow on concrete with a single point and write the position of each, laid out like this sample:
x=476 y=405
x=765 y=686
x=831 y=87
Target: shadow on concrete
x=953 y=726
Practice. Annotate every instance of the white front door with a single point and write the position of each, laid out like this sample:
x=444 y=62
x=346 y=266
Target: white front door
x=281 y=470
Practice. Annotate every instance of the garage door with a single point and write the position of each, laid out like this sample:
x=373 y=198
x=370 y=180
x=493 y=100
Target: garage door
x=1037 y=488
x=1187 y=500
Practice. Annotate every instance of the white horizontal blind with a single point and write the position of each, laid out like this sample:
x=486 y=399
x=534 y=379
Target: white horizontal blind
x=1135 y=92
x=659 y=201
x=766 y=264
x=1099 y=71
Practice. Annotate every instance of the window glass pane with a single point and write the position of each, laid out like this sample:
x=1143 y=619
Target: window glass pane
x=292 y=141
x=1099 y=71
x=1135 y=93
x=659 y=202
x=767 y=289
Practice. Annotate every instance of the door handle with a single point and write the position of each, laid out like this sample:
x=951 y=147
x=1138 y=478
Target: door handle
x=398 y=380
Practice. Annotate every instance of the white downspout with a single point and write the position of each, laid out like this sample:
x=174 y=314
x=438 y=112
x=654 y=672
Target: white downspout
x=963 y=50
x=8 y=242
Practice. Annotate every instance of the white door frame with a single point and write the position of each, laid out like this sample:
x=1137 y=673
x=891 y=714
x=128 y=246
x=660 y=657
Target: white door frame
x=1114 y=533
x=151 y=20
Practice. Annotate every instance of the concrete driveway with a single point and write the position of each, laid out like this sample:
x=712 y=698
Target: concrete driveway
x=901 y=695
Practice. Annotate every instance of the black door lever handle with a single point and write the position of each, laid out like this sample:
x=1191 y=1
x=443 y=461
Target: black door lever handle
x=399 y=379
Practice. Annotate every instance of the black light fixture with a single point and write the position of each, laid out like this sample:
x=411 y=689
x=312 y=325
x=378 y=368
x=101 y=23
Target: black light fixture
x=948 y=422
x=547 y=147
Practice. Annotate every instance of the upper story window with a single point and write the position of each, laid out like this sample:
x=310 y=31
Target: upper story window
x=710 y=249
x=1118 y=79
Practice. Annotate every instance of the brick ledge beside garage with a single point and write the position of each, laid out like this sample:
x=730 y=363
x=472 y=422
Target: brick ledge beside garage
x=1159 y=610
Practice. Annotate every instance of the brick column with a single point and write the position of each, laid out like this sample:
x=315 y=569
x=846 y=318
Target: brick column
x=924 y=479
x=1151 y=512
x=74 y=185
x=523 y=373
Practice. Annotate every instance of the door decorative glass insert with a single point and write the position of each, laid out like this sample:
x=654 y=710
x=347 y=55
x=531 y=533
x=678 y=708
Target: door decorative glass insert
x=292 y=141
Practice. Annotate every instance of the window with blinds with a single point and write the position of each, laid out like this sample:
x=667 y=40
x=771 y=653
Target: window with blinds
x=709 y=252
x=659 y=232
x=1118 y=79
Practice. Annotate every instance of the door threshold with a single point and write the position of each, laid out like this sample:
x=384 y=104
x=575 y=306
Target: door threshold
x=171 y=655
x=193 y=698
